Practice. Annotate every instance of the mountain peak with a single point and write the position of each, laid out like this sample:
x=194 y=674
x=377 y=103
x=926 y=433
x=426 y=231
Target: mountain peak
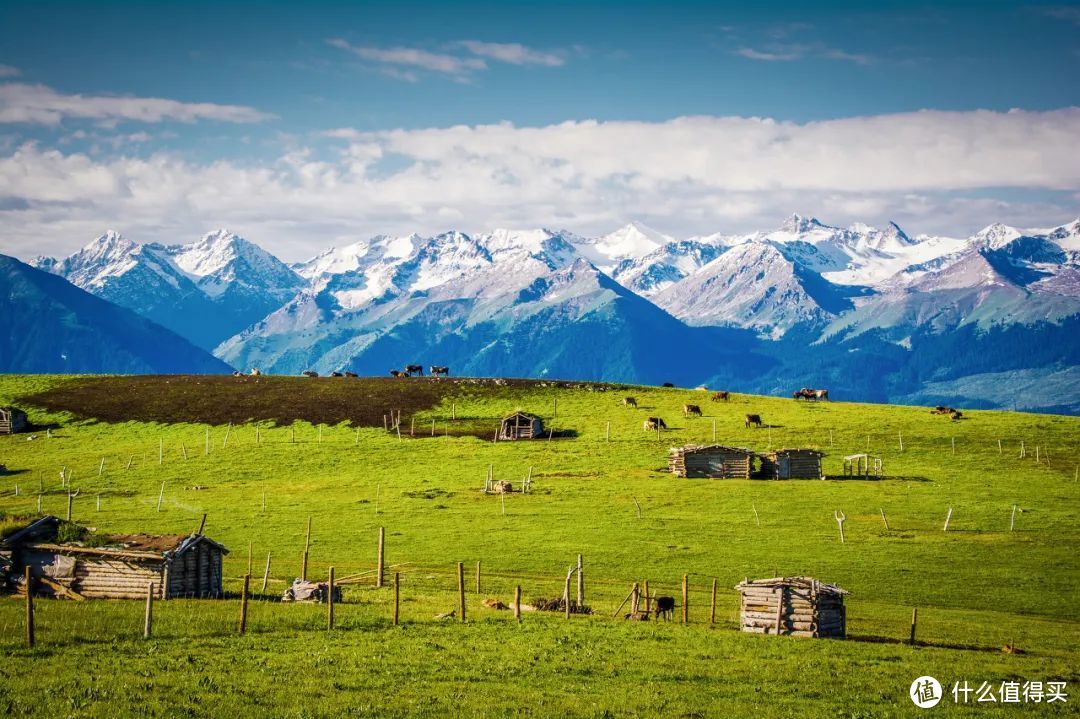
x=996 y=235
x=798 y=224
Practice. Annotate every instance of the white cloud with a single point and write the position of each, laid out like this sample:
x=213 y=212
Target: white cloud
x=412 y=57
x=933 y=171
x=461 y=67
x=38 y=104
x=513 y=53
x=9 y=71
x=787 y=52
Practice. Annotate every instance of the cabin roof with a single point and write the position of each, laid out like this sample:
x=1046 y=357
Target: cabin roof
x=524 y=415
x=696 y=448
x=42 y=533
x=796 y=582
x=795 y=450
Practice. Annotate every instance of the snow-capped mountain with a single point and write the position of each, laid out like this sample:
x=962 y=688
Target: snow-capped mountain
x=48 y=324
x=206 y=291
x=874 y=312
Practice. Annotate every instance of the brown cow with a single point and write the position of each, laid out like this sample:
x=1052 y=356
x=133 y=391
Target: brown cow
x=753 y=419
x=654 y=422
x=721 y=396
x=350 y=374
x=310 y=373
x=398 y=373
x=688 y=409
x=629 y=402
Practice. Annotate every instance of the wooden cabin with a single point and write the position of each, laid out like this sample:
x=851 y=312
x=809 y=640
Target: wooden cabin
x=791 y=464
x=714 y=461
x=12 y=420
x=797 y=606
x=118 y=566
x=521 y=425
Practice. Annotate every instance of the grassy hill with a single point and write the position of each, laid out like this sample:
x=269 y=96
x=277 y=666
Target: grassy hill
x=320 y=451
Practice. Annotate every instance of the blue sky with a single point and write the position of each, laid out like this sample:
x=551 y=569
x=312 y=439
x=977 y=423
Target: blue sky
x=166 y=120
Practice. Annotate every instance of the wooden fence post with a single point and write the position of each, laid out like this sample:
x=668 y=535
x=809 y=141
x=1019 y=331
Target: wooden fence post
x=686 y=599
x=947 y=518
x=330 y=602
x=244 y=603
x=517 y=602
x=1012 y=519
x=566 y=592
x=71 y=499
x=29 y=609
x=380 y=571
x=712 y=609
x=161 y=496
x=307 y=549
x=266 y=573
x=478 y=576
x=580 y=583
x=397 y=596
x=461 y=588
x=648 y=597
x=914 y=622
x=635 y=598
x=884 y=519
x=148 y=620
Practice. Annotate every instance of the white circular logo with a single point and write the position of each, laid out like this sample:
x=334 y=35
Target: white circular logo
x=925 y=692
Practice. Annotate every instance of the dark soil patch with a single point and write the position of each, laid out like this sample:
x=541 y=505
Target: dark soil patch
x=218 y=400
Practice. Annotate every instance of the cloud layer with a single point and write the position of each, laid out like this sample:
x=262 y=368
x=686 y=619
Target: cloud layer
x=937 y=171
x=38 y=104
x=459 y=60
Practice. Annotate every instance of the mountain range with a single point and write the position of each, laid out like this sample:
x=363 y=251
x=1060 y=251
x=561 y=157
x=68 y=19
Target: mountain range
x=873 y=314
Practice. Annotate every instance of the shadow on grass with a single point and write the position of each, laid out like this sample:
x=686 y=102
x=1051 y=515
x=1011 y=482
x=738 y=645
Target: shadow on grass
x=873 y=639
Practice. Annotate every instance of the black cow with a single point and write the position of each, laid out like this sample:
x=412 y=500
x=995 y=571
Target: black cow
x=415 y=369
x=440 y=370
x=667 y=384
x=310 y=373
x=629 y=402
x=336 y=374
x=753 y=419
x=665 y=607
x=688 y=409
x=653 y=422
x=350 y=374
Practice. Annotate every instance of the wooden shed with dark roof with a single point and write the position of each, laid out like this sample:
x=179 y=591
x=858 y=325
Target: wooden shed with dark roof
x=12 y=420
x=714 y=461
x=791 y=464
x=521 y=425
x=115 y=566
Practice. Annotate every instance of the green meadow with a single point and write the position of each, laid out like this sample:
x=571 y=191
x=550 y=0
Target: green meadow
x=317 y=449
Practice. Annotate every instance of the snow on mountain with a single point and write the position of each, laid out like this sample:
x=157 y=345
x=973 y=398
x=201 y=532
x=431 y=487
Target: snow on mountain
x=205 y=291
x=665 y=265
x=635 y=240
x=754 y=285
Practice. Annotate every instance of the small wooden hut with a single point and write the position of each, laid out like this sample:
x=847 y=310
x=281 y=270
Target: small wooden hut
x=714 y=461
x=798 y=606
x=12 y=420
x=119 y=566
x=791 y=464
x=521 y=425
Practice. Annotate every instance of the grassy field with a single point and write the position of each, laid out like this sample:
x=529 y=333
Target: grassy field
x=322 y=453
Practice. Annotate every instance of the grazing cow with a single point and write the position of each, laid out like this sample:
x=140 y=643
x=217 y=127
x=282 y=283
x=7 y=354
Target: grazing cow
x=942 y=410
x=667 y=384
x=652 y=423
x=398 y=373
x=255 y=371
x=688 y=409
x=237 y=373
x=721 y=396
x=629 y=402
x=415 y=369
x=956 y=414
x=753 y=419
x=310 y=373
x=439 y=370
x=822 y=394
x=350 y=374
x=336 y=374
x=665 y=607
